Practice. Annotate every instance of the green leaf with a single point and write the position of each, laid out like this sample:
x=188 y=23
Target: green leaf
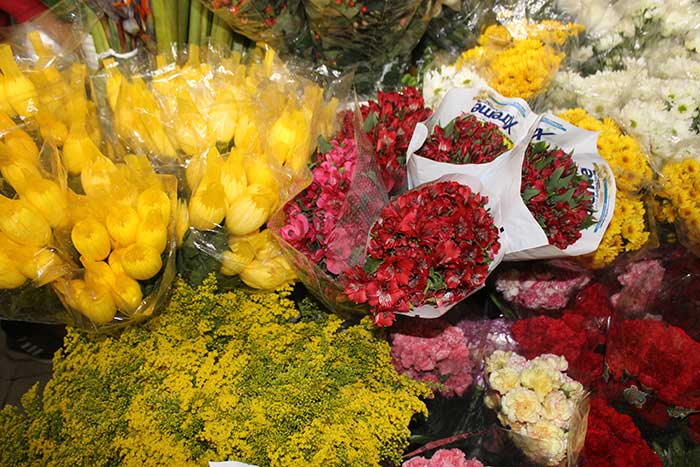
x=530 y=193
x=324 y=145
x=371 y=121
x=450 y=128
x=371 y=265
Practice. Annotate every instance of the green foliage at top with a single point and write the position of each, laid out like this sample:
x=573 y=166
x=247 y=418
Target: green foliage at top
x=236 y=376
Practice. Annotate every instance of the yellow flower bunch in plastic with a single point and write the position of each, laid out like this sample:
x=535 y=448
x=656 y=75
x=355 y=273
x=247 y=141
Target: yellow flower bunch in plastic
x=518 y=59
x=628 y=229
x=680 y=198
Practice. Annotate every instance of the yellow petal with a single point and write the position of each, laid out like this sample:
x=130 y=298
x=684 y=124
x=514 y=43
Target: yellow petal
x=10 y=276
x=49 y=199
x=154 y=199
x=91 y=239
x=207 y=206
x=23 y=224
x=246 y=214
x=236 y=258
x=141 y=262
x=153 y=232
x=123 y=224
x=127 y=293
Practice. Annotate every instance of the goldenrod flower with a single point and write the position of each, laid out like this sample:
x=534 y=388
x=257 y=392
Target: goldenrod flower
x=153 y=231
x=49 y=199
x=10 y=276
x=140 y=262
x=122 y=224
x=23 y=224
x=207 y=206
x=247 y=213
x=127 y=293
x=91 y=239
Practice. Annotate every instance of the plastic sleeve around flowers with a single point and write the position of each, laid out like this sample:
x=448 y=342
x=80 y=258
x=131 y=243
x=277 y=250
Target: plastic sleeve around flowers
x=347 y=241
x=372 y=37
x=279 y=23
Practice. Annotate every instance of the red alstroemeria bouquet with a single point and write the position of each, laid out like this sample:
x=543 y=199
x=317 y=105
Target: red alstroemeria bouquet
x=465 y=140
x=556 y=194
x=430 y=246
x=389 y=123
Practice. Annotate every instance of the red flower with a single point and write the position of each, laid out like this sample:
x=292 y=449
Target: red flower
x=612 y=440
x=556 y=195
x=431 y=245
x=465 y=140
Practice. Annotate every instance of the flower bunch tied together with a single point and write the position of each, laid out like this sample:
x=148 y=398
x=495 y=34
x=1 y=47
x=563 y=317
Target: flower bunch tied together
x=389 y=123
x=313 y=215
x=430 y=246
x=556 y=195
x=536 y=400
x=465 y=140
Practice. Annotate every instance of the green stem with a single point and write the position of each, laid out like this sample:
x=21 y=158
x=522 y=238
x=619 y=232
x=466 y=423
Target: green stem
x=165 y=25
x=183 y=17
x=99 y=37
x=221 y=34
x=196 y=10
x=204 y=27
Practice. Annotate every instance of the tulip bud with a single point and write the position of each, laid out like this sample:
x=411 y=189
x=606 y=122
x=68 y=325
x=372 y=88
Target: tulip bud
x=98 y=274
x=42 y=266
x=247 y=213
x=258 y=172
x=115 y=261
x=18 y=173
x=233 y=175
x=123 y=224
x=270 y=195
x=222 y=117
x=10 y=276
x=78 y=150
x=91 y=239
x=23 y=224
x=20 y=91
x=246 y=135
x=138 y=164
x=140 y=262
x=49 y=200
x=154 y=199
x=267 y=275
x=234 y=260
x=153 y=231
x=207 y=206
x=95 y=303
x=127 y=293
x=96 y=176
x=289 y=136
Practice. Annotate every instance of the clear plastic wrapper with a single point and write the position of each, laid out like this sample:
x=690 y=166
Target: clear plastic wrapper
x=279 y=23
x=371 y=37
x=655 y=332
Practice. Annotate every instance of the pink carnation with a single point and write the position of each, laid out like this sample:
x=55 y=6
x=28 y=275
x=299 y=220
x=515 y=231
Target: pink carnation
x=540 y=289
x=641 y=283
x=444 y=458
x=434 y=352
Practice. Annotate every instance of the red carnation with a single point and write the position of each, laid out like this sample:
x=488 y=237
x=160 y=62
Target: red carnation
x=612 y=440
x=556 y=195
x=432 y=245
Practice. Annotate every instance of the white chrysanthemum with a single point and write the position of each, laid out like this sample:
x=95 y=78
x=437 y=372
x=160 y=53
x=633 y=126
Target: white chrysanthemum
x=436 y=83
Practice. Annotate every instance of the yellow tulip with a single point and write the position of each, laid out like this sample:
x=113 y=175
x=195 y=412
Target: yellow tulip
x=10 y=276
x=247 y=213
x=127 y=293
x=42 y=266
x=20 y=91
x=259 y=172
x=91 y=239
x=194 y=172
x=269 y=194
x=267 y=275
x=123 y=224
x=114 y=81
x=140 y=262
x=207 y=207
x=239 y=255
x=95 y=303
x=98 y=274
x=191 y=130
x=23 y=224
x=154 y=199
x=246 y=134
x=48 y=199
x=17 y=142
x=78 y=150
x=222 y=116
x=51 y=128
x=96 y=176
x=289 y=136
x=19 y=172
x=153 y=231
x=115 y=261
x=233 y=175
x=5 y=106
x=139 y=164
x=182 y=222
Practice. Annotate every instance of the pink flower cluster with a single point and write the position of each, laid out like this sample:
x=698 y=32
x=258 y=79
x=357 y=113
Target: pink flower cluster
x=444 y=458
x=544 y=289
x=313 y=214
x=641 y=283
x=434 y=352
